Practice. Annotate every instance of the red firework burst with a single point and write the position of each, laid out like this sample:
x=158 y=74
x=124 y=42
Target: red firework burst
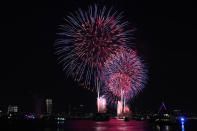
x=123 y=75
x=88 y=38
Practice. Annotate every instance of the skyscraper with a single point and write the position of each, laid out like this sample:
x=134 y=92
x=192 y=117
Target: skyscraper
x=49 y=106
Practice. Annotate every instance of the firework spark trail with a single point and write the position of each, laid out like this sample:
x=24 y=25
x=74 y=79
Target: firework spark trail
x=123 y=71
x=87 y=39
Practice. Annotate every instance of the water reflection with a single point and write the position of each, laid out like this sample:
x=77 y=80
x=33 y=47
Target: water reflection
x=182 y=126
x=114 y=125
x=60 y=129
x=158 y=128
x=121 y=125
x=167 y=127
x=101 y=128
x=60 y=122
x=47 y=129
x=163 y=128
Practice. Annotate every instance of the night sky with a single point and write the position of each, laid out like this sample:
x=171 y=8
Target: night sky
x=164 y=38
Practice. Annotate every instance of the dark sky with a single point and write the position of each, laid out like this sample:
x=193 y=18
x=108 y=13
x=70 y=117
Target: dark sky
x=164 y=37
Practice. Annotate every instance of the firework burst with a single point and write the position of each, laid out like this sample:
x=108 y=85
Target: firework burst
x=124 y=75
x=87 y=39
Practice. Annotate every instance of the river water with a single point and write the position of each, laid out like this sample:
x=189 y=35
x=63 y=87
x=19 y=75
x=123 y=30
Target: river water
x=117 y=125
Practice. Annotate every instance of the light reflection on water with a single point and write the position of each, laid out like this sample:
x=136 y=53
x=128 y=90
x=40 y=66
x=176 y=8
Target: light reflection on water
x=112 y=125
x=182 y=126
x=163 y=128
x=120 y=125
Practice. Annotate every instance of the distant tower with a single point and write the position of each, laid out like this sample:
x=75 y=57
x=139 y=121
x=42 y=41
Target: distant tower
x=49 y=106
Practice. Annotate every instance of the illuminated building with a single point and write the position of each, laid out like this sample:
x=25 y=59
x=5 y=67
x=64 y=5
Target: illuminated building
x=12 y=109
x=49 y=106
